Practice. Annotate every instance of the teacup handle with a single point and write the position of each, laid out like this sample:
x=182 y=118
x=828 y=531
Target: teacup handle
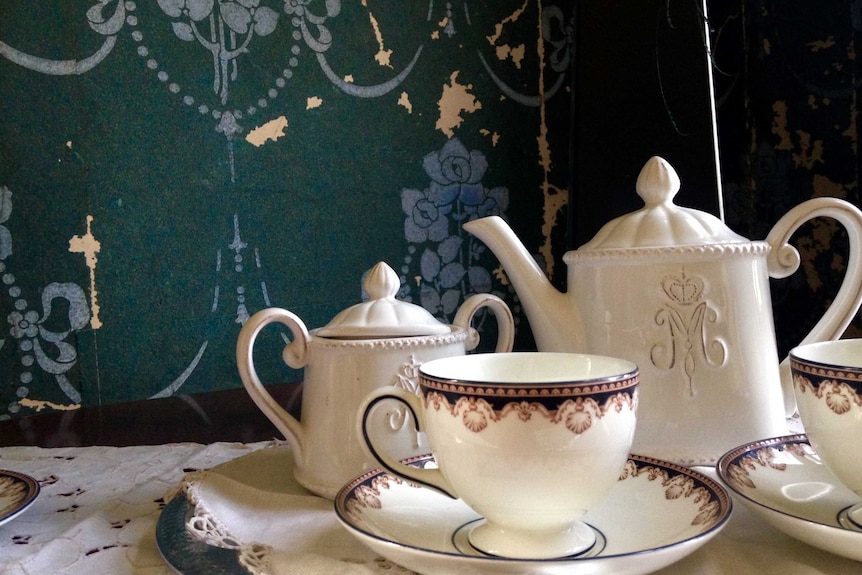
x=783 y=260
x=505 y=321
x=295 y=355
x=433 y=478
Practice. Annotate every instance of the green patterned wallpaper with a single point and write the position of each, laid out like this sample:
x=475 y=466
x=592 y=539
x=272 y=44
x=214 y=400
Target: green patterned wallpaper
x=169 y=167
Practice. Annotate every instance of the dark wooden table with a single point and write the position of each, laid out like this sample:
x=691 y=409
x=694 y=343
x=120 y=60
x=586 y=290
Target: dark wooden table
x=228 y=415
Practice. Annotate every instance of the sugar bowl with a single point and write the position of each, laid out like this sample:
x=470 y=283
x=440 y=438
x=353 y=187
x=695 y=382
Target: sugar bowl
x=379 y=342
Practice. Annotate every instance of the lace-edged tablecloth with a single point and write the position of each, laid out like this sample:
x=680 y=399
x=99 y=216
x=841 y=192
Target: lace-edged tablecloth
x=99 y=506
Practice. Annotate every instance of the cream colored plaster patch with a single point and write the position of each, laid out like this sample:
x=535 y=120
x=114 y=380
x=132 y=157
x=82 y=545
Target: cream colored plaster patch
x=272 y=130
x=504 y=51
x=435 y=35
x=851 y=131
x=555 y=197
x=500 y=274
x=516 y=54
x=349 y=78
x=39 y=405
x=818 y=45
x=89 y=246
x=513 y=17
x=313 y=102
x=456 y=99
x=779 y=125
x=383 y=56
x=823 y=231
x=824 y=187
x=404 y=101
x=495 y=137
x=810 y=152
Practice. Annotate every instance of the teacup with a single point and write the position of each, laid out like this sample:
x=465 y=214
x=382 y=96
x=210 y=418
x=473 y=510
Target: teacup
x=827 y=382
x=530 y=441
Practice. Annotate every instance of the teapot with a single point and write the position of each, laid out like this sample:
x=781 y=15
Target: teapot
x=677 y=292
x=375 y=343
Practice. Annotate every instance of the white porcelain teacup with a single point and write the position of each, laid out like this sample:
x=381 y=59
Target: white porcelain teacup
x=827 y=381
x=530 y=441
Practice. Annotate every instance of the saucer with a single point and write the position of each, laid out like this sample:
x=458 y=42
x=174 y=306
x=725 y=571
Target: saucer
x=17 y=493
x=183 y=552
x=783 y=481
x=655 y=515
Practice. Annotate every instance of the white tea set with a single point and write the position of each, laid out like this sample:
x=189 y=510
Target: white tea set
x=520 y=462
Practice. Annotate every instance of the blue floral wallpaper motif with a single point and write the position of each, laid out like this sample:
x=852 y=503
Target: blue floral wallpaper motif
x=446 y=262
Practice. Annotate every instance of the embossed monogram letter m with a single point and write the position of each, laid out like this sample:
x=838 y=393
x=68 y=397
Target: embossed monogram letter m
x=685 y=342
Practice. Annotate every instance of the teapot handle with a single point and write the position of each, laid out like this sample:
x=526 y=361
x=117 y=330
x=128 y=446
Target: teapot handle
x=784 y=260
x=505 y=321
x=295 y=355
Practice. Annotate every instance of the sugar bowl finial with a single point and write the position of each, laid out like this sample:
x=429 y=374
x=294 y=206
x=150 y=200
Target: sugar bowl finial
x=381 y=282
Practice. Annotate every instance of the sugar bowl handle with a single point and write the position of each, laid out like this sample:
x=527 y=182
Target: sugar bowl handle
x=505 y=321
x=295 y=354
x=430 y=477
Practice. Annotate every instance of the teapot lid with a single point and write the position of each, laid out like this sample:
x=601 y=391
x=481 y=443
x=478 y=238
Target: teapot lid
x=661 y=223
x=382 y=316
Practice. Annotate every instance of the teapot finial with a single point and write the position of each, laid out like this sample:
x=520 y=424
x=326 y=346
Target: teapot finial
x=381 y=282
x=658 y=182
x=661 y=223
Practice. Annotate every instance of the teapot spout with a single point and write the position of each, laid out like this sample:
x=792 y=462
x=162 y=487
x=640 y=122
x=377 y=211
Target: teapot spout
x=553 y=315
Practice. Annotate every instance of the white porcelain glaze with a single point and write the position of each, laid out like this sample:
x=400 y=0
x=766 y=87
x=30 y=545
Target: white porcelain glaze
x=785 y=483
x=675 y=291
x=530 y=441
x=656 y=514
x=377 y=343
x=827 y=379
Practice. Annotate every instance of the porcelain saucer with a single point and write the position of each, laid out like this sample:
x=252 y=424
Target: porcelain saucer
x=655 y=515
x=783 y=481
x=17 y=493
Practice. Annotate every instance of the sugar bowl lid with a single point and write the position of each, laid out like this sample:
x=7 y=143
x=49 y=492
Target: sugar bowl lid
x=382 y=315
x=661 y=223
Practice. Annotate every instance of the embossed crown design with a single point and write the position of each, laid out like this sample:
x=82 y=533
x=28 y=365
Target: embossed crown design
x=683 y=289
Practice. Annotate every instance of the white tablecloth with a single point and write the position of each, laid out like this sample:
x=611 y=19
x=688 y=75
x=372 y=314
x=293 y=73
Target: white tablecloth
x=98 y=509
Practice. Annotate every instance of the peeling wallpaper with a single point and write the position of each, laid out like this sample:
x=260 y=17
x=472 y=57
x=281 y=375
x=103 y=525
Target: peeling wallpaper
x=788 y=82
x=169 y=167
